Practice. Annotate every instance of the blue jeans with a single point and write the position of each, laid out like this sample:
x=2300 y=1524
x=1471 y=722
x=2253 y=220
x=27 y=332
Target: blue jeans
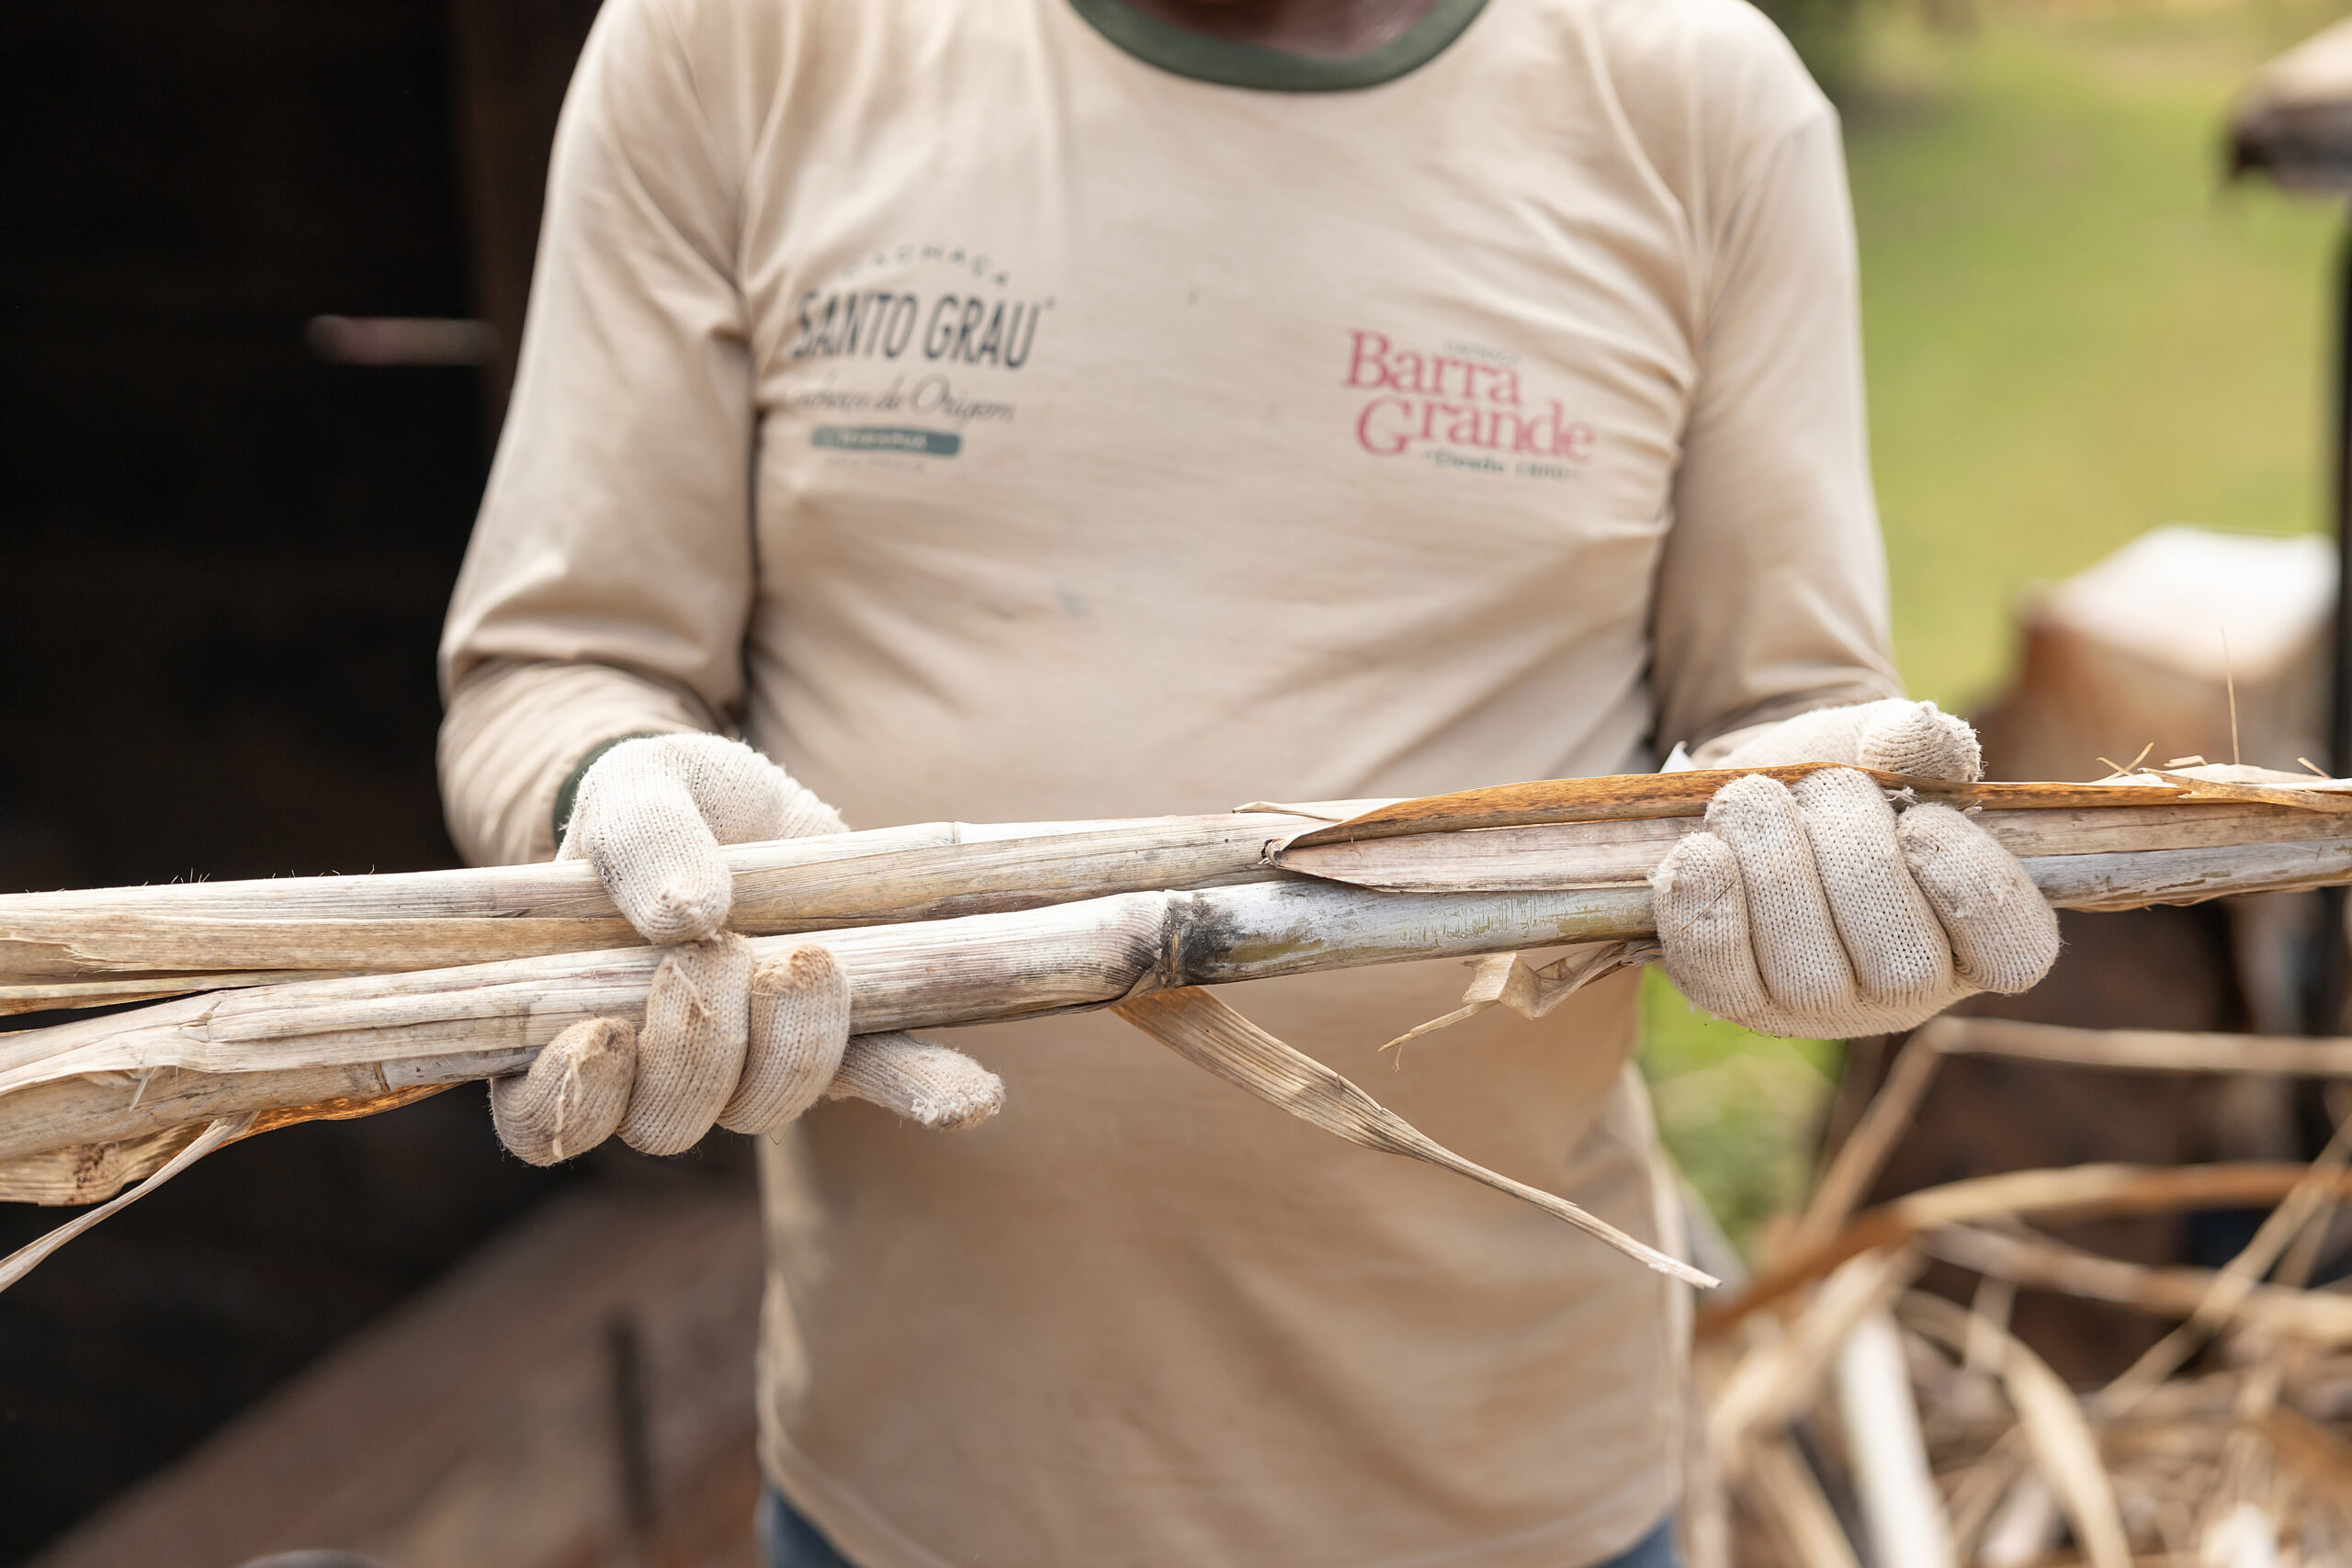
x=787 y=1540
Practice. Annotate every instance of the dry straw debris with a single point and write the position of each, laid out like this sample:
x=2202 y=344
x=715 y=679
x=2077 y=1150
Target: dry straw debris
x=2227 y=1445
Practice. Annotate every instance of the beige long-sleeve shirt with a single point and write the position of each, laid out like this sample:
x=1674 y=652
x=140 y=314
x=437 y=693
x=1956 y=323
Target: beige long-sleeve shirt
x=998 y=420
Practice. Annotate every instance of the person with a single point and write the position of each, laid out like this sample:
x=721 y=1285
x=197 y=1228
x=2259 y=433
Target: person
x=1065 y=409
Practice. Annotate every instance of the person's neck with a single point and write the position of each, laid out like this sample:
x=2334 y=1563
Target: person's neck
x=1328 y=30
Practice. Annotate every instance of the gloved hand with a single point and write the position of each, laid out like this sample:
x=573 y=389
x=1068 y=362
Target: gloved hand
x=1815 y=910
x=724 y=1042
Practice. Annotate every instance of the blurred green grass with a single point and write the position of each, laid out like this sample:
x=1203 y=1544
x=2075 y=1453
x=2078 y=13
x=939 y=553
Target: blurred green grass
x=1739 y=1112
x=2074 y=333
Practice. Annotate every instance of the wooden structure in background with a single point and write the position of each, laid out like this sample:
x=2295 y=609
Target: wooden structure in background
x=2131 y=653
x=577 y=1393
x=2188 y=641
x=513 y=61
x=2292 y=122
x=226 y=561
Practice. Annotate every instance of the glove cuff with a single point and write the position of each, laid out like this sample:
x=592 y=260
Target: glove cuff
x=567 y=795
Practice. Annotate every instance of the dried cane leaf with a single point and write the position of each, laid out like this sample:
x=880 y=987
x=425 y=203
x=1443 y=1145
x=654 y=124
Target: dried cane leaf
x=2021 y=1531
x=2245 y=1536
x=25 y=1259
x=2141 y=1050
x=2319 y=1183
x=1506 y=979
x=1779 y=1379
x=2304 y=799
x=89 y=1173
x=1685 y=794
x=1888 y=1454
x=2319 y=1455
x=2037 y=1263
x=1864 y=1152
x=1499 y=978
x=2080 y=1192
x=1210 y=1035
x=1987 y=1483
x=1787 y=1495
x=2068 y=1456
x=1572 y=971
x=2056 y=1431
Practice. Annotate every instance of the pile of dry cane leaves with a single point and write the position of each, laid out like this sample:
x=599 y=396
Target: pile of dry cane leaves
x=1848 y=1418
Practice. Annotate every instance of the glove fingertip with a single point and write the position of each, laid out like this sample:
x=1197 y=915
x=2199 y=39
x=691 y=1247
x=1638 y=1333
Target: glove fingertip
x=935 y=1085
x=1924 y=742
x=1748 y=801
x=690 y=905
x=1701 y=910
x=690 y=1051
x=2004 y=933
x=799 y=1029
x=803 y=968
x=573 y=1096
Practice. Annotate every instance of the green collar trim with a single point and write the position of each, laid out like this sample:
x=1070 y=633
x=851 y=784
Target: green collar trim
x=1205 y=59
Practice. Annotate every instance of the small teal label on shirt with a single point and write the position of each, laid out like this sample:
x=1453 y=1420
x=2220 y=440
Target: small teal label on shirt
x=887 y=439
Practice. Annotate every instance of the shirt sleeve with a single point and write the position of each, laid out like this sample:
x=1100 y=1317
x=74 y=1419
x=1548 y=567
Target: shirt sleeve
x=515 y=732
x=1771 y=589
x=609 y=579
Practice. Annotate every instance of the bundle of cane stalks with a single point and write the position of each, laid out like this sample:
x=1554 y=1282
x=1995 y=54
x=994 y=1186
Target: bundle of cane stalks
x=304 y=997
x=1850 y=1417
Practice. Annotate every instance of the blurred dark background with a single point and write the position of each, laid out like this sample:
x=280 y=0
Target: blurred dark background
x=223 y=563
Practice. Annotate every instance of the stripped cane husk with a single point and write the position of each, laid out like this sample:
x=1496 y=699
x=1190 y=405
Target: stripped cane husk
x=2206 y=838
x=1630 y=796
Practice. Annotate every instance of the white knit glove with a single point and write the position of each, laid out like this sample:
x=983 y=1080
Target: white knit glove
x=725 y=1041
x=1817 y=911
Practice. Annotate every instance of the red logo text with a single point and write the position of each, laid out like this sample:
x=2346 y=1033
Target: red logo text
x=1448 y=400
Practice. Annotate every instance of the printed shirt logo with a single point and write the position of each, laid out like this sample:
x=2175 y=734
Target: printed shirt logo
x=1465 y=408
x=962 y=329
x=928 y=335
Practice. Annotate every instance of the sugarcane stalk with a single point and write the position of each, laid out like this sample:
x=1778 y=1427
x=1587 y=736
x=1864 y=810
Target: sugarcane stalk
x=130 y=943
x=127 y=1075
x=939 y=925
x=130 y=1075
x=122 y=944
